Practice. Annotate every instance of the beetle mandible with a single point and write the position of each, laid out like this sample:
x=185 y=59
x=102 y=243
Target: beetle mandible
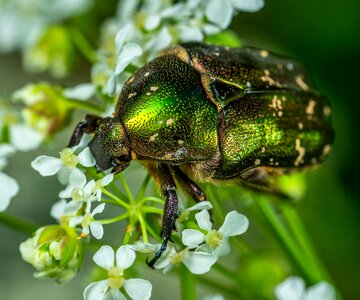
x=213 y=114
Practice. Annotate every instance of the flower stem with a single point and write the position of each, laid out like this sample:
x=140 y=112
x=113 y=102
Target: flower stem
x=285 y=239
x=143 y=227
x=115 y=219
x=118 y=200
x=144 y=186
x=127 y=189
x=187 y=283
x=17 y=224
x=83 y=45
x=84 y=105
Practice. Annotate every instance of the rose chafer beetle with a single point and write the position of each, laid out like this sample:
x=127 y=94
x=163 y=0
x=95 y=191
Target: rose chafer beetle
x=213 y=114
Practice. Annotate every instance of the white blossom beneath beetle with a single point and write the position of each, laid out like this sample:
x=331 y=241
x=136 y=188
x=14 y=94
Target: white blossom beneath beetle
x=214 y=241
x=88 y=222
x=293 y=288
x=115 y=265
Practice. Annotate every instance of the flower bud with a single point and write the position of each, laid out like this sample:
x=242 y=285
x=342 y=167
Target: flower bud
x=53 y=52
x=46 y=109
x=54 y=251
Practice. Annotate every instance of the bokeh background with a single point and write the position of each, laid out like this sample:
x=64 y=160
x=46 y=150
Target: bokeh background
x=325 y=36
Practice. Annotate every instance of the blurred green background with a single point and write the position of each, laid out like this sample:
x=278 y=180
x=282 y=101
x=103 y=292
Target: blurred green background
x=325 y=36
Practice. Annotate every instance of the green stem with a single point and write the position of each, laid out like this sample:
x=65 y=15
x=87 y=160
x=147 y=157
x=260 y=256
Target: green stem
x=153 y=199
x=17 y=224
x=239 y=282
x=187 y=283
x=220 y=287
x=143 y=227
x=83 y=45
x=115 y=219
x=84 y=105
x=153 y=233
x=118 y=200
x=127 y=189
x=285 y=239
x=144 y=186
x=128 y=232
x=151 y=209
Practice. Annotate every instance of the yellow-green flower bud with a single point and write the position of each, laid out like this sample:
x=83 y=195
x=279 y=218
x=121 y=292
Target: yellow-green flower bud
x=53 y=52
x=46 y=109
x=54 y=251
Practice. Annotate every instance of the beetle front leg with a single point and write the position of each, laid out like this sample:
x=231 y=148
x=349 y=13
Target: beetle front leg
x=89 y=125
x=163 y=177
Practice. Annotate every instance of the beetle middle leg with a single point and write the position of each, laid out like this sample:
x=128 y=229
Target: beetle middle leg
x=191 y=187
x=89 y=125
x=163 y=177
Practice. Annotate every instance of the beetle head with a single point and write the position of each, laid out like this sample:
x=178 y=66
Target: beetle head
x=110 y=146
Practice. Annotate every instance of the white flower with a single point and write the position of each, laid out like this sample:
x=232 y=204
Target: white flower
x=65 y=167
x=198 y=262
x=8 y=189
x=293 y=288
x=82 y=92
x=221 y=12
x=115 y=264
x=198 y=206
x=216 y=241
x=8 y=185
x=88 y=223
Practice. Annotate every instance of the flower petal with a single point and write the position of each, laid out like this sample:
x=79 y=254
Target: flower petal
x=107 y=179
x=8 y=189
x=46 y=165
x=83 y=91
x=104 y=257
x=75 y=221
x=290 y=289
x=120 y=37
x=246 y=5
x=57 y=209
x=201 y=205
x=125 y=257
x=199 y=262
x=219 y=12
x=6 y=150
x=97 y=230
x=138 y=289
x=321 y=290
x=234 y=224
x=115 y=294
x=96 y=290
x=24 y=138
x=86 y=158
x=192 y=237
x=98 y=209
x=129 y=52
x=223 y=249
x=203 y=219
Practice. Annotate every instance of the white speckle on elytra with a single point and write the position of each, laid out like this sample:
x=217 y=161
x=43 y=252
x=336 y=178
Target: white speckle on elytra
x=180 y=142
x=153 y=137
x=257 y=162
x=301 y=151
x=146 y=74
x=216 y=53
x=266 y=78
x=264 y=53
x=301 y=83
x=154 y=88
x=310 y=108
x=326 y=150
x=327 y=111
x=131 y=79
x=263 y=149
x=148 y=94
x=314 y=160
x=248 y=84
x=132 y=95
x=280 y=114
x=290 y=66
x=169 y=121
x=300 y=125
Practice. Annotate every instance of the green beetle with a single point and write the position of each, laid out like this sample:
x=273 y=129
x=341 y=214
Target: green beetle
x=213 y=114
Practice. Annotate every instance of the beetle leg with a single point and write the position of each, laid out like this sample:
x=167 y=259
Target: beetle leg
x=191 y=187
x=89 y=125
x=163 y=177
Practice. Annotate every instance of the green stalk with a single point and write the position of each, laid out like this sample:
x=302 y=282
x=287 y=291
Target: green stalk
x=187 y=284
x=286 y=240
x=144 y=186
x=118 y=200
x=84 y=105
x=143 y=227
x=83 y=45
x=115 y=219
x=17 y=224
x=127 y=188
x=236 y=279
x=297 y=227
